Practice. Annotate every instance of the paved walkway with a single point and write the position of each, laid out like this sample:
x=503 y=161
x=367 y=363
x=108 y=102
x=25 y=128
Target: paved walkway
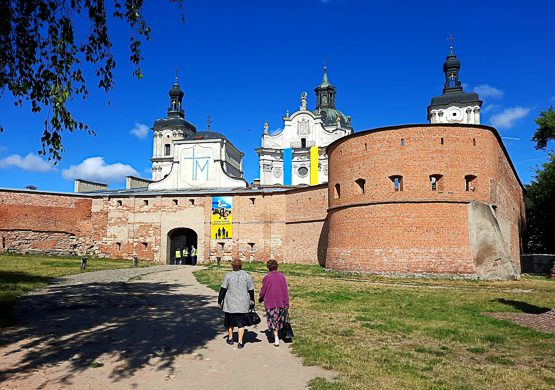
x=544 y=322
x=146 y=328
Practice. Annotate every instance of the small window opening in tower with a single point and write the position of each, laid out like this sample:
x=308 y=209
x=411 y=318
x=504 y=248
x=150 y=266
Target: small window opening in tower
x=3 y=242
x=303 y=142
x=145 y=202
x=337 y=193
x=167 y=149
x=397 y=182
x=252 y=200
x=119 y=203
x=474 y=141
x=191 y=202
x=361 y=185
x=145 y=246
x=436 y=182
x=470 y=183
x=402 y=142
x=441 y=141
x=118 y=246
x=365 y=146
x=175 y=202
x=251 y=246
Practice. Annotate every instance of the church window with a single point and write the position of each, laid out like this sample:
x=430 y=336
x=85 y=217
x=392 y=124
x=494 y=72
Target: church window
x=303 y=142
x=469 y=183
x=474 y=141
x=191 y=202
x=175 y=202
x=119 y=203
x=167 y=149
x=3 y=242
x=337 y=193
x=441 y=141
x=118 y=246
x=302 y=171
x=361 y=185
x=145 y=202
x=436 y=182
x=251 y=246
x=365 y=146
x=397 y=182
x=252 y=200
x=145 y=246
x=402 y=142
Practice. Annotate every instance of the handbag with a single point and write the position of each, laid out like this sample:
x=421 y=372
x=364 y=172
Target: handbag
x=254 y=318
x=286 y=333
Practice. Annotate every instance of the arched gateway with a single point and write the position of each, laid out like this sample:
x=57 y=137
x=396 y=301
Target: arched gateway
x=181 y=238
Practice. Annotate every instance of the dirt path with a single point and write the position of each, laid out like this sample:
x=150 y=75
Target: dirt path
x=148 y=328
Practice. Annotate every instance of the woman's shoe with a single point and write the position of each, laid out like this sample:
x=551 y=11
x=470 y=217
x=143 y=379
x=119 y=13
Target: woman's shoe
x=240 y=346
x=229 y=341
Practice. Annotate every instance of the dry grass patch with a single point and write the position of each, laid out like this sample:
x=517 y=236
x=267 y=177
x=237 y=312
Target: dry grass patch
x=388 y=333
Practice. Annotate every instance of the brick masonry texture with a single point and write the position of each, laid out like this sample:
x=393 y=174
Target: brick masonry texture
x=369 y=227
x=419 y=230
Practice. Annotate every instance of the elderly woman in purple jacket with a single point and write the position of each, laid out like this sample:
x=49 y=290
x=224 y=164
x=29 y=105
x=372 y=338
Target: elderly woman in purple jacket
x=275 y=295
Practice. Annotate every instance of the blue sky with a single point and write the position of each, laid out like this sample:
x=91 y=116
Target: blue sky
x=245 y=62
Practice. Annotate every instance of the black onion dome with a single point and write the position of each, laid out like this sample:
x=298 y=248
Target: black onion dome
x=451 y=63
x=176 y=91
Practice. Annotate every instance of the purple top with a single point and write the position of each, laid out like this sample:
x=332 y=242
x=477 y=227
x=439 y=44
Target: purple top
x=274 y=291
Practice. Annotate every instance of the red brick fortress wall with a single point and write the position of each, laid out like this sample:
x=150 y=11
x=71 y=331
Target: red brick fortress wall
x=32 y=222
x=456 y=229
x=306 y=225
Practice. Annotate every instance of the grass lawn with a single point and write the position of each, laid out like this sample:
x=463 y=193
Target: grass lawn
x=21 y=274
x=386 y=333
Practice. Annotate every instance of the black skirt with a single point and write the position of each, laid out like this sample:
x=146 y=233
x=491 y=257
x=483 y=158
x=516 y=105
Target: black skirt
x=232 y=320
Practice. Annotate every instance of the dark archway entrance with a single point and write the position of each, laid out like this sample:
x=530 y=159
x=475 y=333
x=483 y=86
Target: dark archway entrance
x=181 y=238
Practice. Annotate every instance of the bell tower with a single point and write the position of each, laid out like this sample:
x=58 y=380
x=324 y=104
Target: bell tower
x=454 y=105
x=325 y=93
x=172 y=128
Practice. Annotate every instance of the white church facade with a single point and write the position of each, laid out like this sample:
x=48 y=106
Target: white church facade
x=307 y=133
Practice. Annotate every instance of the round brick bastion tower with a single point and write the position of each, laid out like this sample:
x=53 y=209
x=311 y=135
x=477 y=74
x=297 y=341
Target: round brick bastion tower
x=424 y=199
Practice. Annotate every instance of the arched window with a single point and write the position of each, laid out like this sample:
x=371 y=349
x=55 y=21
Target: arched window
x=167 y=149
x=337 y=193
x=303 y=142
x=397 y=181
x=470 y=183
x=436 y=182
x=361 y=183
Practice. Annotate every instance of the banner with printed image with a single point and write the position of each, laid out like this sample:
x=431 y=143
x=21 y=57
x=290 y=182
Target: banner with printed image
x=222 y=217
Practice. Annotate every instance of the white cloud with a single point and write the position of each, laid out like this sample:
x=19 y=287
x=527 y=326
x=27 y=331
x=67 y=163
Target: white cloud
x=508 y=117
x=31 y=162
x=96 y=169
x=491 y=108
x=140 y=130
x=487 y=91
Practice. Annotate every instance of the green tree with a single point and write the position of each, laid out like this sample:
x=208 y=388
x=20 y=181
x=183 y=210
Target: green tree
x=546 y=129
x=42 y=61
x=540 y=209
